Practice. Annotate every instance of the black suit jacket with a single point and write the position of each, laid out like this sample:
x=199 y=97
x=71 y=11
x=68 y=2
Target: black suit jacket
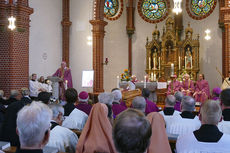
x=8 y=131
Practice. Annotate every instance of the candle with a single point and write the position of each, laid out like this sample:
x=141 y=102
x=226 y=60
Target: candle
x=191 y=62
x=179 y=62
x=172 y=69
x=185 y=62
x=154 y=77
x=118 y=81
x=159 y=63
x=151 y=75
x=145 y=82
x=66 y=82
x=149 y=63
x=154 y=63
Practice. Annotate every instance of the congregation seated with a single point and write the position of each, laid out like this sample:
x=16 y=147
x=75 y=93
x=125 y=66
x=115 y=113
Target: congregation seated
x=169 y=112
x=159 y=140
x=186 y=121
x=2 y=107
x=97 y=134
x=139 y=103
x=224 y=125
x=187 y=86
x=216 y=93
x=75 y=118
x=131 y=132
x=207 y=139
x=150 y=106
x=8 y=131
x=83 y=105
x=178 y=95
x=14 y=97
x=117 y=107
x=121 y=102
x=60 y=137
x=33 y=123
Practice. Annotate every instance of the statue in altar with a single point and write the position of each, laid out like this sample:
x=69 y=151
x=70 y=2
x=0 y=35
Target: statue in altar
x=188 y=59
x=168 y=53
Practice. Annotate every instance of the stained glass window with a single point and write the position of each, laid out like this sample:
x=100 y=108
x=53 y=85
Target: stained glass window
x=153 y=9
x=111 y=8
x=201 y=7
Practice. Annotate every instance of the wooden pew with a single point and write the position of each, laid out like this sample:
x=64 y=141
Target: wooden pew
x=129 y=95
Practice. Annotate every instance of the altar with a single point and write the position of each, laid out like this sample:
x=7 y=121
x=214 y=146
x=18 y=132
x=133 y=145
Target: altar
x=171 y=54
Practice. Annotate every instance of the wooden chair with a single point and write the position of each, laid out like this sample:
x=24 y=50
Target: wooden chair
x=161 y=93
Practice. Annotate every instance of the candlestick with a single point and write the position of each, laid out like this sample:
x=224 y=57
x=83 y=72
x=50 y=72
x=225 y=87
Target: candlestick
x=118 y=81
x=149 y=63
x=172 y=69
x=159 y=63
x=151 y=76
x=154 y=63
x=145 y=82
x=185 y=62
x=191 y=62
x=66 y=82
x=179 y=62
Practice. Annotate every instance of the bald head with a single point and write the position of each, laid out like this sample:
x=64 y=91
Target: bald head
x=131 y=132
x=187 y=104
x=139 y=103
x=170 y=101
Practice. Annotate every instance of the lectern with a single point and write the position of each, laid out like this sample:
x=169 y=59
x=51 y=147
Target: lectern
x=55 y=85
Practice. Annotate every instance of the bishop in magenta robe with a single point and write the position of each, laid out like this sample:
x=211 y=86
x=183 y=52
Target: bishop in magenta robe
x=187 y=86
x=173 y=86
x=64 y=73
x=202 y=92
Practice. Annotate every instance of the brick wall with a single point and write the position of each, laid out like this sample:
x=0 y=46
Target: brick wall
x=14 y=47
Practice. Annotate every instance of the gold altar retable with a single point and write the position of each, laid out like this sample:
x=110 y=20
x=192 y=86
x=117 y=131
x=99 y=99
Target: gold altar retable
x=171 y=55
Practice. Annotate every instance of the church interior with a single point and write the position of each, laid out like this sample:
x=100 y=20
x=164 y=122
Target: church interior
x=145 y=38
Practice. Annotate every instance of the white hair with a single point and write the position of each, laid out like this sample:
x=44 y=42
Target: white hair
x=211 y=112
x=170 y=100
x=56 y=109
x=33 y=122
x=139 y=103
x=117 y=95
x=1 y=93
x=106 y=98
x=14 y=93
x=188 y=104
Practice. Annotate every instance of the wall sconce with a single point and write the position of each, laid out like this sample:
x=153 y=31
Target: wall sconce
x=12 y=23
x=106 y=61
x=177 y=6
x=207 y=36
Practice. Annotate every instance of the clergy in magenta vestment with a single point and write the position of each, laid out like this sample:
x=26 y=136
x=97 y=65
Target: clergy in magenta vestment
x=187 y=86
x=173 y=86
x=118 y=106
x=64 y=73
x=202 y=92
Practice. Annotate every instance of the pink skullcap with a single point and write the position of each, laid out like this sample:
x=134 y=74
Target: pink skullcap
x=83 y=96
x=216 y=90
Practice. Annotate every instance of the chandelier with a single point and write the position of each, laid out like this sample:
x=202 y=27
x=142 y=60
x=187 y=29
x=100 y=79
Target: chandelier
x=177 y=6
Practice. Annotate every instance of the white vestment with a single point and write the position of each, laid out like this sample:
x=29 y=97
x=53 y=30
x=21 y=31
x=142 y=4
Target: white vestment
x=75 y=120
x=45 y=86
x=132 y=86
x=189 y=144
x=34 y=87
x=182 y=126
x=224 y=126
x=225 y=84
x=63 y=138
x=168 y=118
